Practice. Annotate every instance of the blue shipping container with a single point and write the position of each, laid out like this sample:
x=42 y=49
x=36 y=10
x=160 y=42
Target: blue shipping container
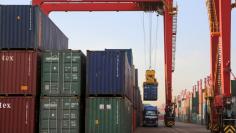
x=149 y=107
x=150 y=92
x=108 y=73
x=26 y=27
x=128 y=51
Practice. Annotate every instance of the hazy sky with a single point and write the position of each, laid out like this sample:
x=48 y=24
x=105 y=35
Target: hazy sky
x=100 y=30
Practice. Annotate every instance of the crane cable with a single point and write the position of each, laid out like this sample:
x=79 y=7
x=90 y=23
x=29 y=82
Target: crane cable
x=156 y=44
x=144 y=40
x=150 y=41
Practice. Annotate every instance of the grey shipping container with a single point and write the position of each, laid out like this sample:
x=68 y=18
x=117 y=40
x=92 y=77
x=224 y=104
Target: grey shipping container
x=108 y=115
x=63 y=73
x=108 y=73
x=26 y=27
x=61 y=115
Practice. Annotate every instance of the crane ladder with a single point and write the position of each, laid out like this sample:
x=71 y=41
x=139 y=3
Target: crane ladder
x=174 y=32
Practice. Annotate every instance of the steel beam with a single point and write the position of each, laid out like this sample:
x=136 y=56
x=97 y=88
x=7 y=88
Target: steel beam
x=225 y=36
x=168 y=20
x=47 y=8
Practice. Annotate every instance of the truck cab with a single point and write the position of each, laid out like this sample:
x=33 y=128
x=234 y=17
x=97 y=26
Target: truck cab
x=150 y=116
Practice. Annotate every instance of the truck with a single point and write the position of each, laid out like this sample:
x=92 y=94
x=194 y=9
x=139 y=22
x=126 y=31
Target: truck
x=150 y=115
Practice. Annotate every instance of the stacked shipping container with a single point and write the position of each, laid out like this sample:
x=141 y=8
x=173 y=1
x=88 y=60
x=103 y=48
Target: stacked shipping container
x=25 y=31
x=194 y=106
x=34 y=61
x=62 y=87
x=111 y=90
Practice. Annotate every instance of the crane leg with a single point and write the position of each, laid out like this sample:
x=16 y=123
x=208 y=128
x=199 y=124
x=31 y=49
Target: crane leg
x=169 y=117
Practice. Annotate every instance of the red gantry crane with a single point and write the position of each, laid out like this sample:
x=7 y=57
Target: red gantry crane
x=162 y=7
x=222 y=118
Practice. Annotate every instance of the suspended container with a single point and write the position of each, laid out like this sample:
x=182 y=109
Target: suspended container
x=61 y=115
x=63 y=73
x=108 y=115
x=150 y=92
x=27 y=27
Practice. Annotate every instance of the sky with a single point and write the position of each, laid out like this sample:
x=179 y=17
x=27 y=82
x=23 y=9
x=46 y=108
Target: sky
x=100 y=30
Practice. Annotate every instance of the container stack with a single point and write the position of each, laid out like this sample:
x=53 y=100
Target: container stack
x=110 y=91
x=194 y=107
x=138 y=109
x=25 y=32
x=62 y=92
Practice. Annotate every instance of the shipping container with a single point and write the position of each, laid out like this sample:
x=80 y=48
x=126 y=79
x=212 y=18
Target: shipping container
x=108 y=115
x=150 y=92
x=26 y=27
x=108 y=73
x=19 y=72
x=127 y=51
x=18 y=115
x=195 y=103
x=233 y=88
x=61 y=115
x=63 y=73
x=133 y=86
x=136 y=77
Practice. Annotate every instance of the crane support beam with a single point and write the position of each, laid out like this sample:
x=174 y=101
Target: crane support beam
x=225 y=37
x=168 y=32
x=79 y=1
x=220 y=61
x=168 y=20
x=49 y=7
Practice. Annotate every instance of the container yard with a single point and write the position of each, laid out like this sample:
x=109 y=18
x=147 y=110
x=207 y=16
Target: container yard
x=97 y=66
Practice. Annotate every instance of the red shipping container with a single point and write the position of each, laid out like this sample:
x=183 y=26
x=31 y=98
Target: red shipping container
x=18 y=72
x=17 y=115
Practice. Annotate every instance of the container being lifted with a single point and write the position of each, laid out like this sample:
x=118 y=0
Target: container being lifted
x=150 y=86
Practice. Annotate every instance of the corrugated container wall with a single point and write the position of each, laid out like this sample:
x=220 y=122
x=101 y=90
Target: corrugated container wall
x=63 y=73
x=136 y=77
x=108 y=115
x=25 y=26
x=19 y=72
x=17 y=115
x=108 y=73
x=61 y=115
x=127 y=51
x=150 y=92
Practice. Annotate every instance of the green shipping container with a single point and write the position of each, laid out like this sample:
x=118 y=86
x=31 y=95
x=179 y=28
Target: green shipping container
x=233 y=88
x=61 y=115
x=108 y=115
x=63 y=73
